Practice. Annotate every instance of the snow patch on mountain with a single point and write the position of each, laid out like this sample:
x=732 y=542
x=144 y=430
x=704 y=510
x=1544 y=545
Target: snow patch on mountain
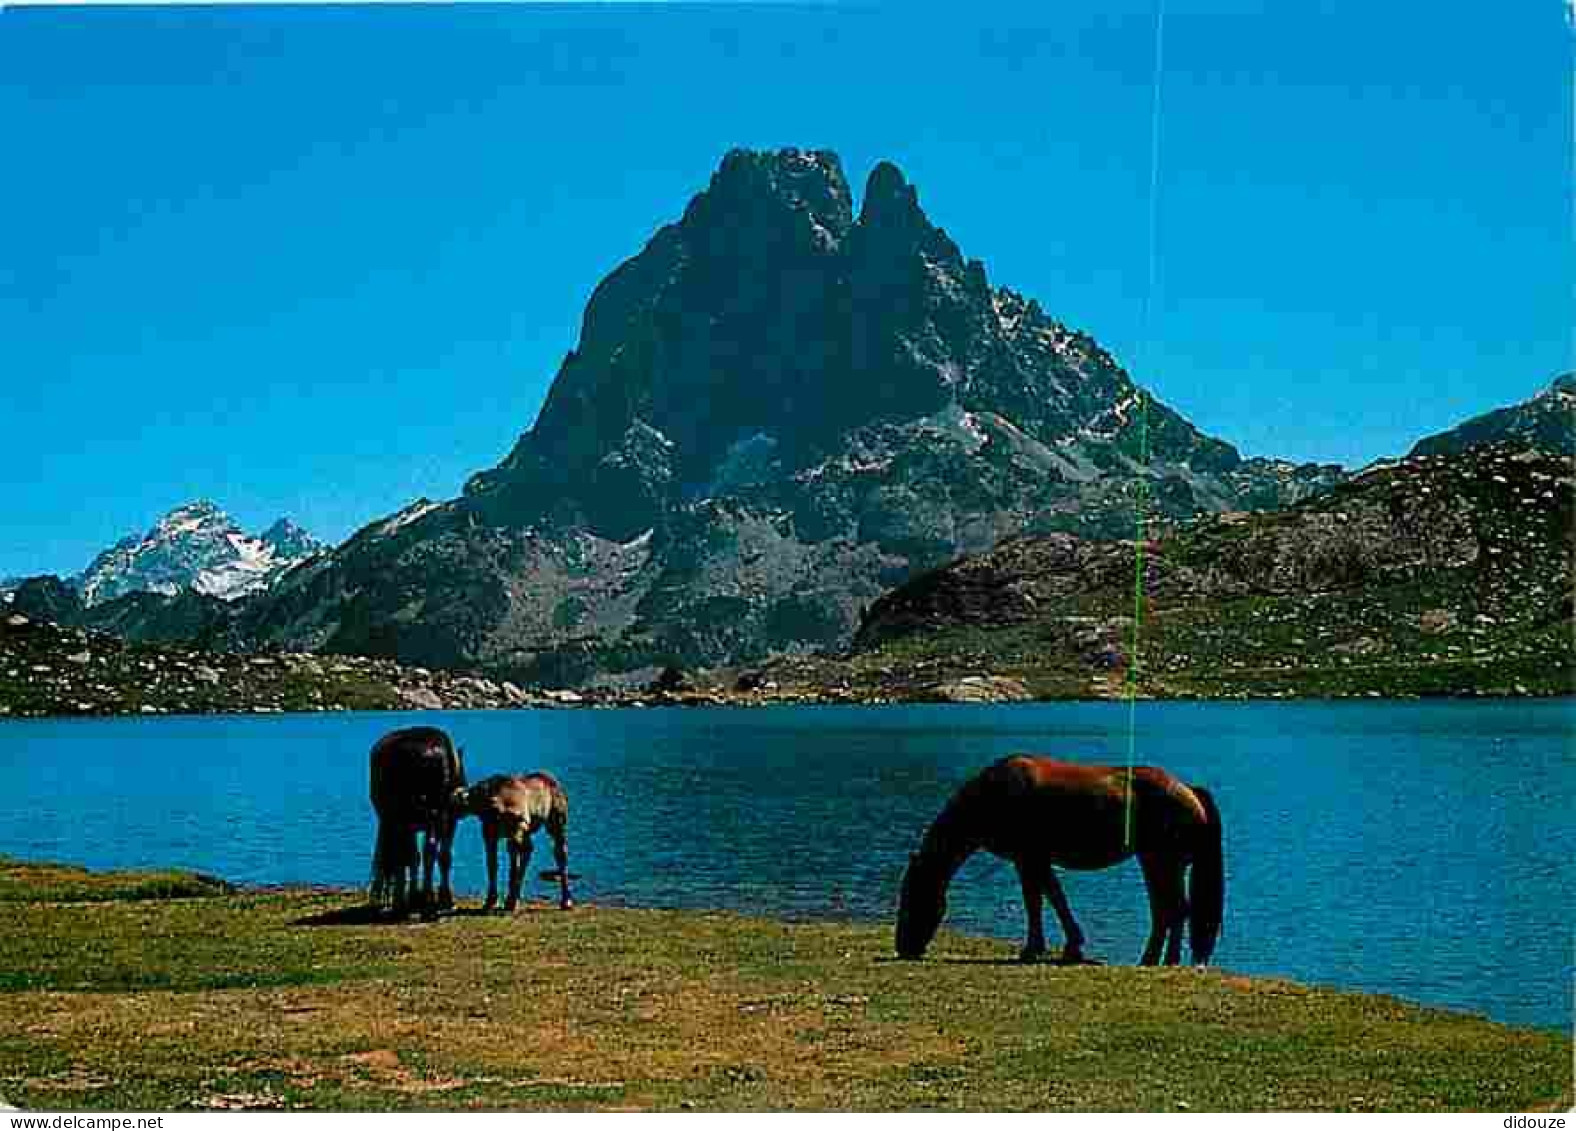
x=420 y=509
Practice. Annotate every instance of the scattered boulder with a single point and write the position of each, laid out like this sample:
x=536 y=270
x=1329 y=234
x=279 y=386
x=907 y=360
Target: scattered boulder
x=978 y=689
x=421 y=698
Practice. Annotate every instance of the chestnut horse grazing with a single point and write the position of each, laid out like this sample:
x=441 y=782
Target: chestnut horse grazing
x=1042 y=814
x=514 y=806
x=414 y=773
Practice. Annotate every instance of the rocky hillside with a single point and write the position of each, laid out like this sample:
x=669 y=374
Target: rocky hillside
x=1547 y=421
x=1432 y=575
x=49 y=670
x=1437 y=574
x=195 y=547
x=776 y=411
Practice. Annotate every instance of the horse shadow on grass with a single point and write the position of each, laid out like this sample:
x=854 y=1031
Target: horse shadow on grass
x=367 y=915
x=1004 y=960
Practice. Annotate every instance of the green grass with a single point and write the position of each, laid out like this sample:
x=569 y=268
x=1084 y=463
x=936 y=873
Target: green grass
x=60 y=883
x=290 y=1000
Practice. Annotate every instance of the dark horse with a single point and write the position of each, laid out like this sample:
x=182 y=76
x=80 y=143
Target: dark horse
x=414 y=774
x=1042 y=814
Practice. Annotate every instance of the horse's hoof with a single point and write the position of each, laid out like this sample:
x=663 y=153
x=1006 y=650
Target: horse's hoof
x=566 y=905
x=1029 y=957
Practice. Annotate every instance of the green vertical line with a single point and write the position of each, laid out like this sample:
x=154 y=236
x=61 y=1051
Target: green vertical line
x=1140 y=495
x=1138 y=616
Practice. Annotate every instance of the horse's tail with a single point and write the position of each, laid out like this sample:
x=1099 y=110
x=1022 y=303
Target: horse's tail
x=1206 y=895
x=560 y=802
x=392 y=852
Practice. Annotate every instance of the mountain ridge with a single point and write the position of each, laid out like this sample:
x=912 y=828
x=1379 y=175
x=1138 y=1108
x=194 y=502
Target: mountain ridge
x=1546 y=419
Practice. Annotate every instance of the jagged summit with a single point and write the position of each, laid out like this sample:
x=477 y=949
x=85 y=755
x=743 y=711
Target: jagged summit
x=889 y=199
x=290 y=540
x=195 y=546
x=770 y=316
x=748 y=183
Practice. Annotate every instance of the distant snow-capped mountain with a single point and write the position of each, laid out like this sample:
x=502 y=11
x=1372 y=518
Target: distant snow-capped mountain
x=198 y=547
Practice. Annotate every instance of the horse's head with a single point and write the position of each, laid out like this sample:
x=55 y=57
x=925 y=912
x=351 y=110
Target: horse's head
x=920 y=907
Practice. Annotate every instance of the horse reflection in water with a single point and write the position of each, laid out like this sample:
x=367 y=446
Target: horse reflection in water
x=414 y=773
x=1042 y=814
x=513 y=807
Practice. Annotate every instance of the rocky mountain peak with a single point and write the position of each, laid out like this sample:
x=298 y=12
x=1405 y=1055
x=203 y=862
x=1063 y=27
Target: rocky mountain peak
x=194 y=546
x=194 y=515
x=893 y=227
x=767 y=327
x=755 y=185
x=889 y=198
x=290 y=540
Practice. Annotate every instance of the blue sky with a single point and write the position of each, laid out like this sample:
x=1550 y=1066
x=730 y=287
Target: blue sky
x=318 y=261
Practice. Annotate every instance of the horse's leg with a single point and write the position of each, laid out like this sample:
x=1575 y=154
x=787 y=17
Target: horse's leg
x=1029 y=880
x=519 y=857
x=1179 y=912
x=446 y=864
x=429 y=859
x=413 y=872
x=560 y=836
x=490 y=839
x=402 y=875
x=1072 y=947
x=1163 y=878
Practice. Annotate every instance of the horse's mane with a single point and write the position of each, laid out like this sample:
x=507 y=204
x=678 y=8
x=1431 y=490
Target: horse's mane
x=951 y=838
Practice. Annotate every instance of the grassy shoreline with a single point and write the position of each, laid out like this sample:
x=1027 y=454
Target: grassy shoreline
x=129 y=991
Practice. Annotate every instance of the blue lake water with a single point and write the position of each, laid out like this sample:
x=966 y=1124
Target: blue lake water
x=1425 y=850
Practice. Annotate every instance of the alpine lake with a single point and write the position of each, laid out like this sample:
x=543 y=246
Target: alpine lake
x=1421 y=849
